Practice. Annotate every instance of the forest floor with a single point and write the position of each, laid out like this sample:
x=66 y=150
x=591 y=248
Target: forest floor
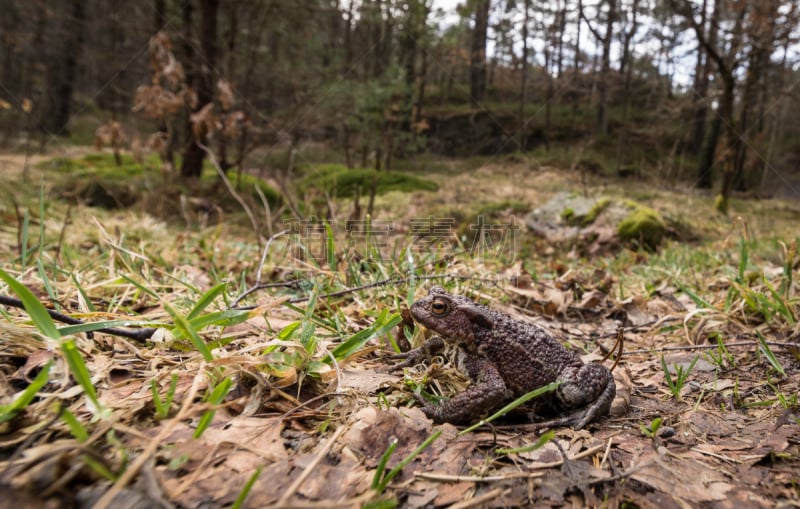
x=292 y=403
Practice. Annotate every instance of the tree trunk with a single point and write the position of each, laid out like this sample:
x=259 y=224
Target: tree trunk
x=700 y=89
x=477 y=65
x=562 y=28
x=203 y=80
x=523 y=87
x=764 y=41
x=732 y=140
x=602 y=84
x=62 y=69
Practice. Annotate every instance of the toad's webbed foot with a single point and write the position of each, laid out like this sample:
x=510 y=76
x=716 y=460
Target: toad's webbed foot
x=430 y=348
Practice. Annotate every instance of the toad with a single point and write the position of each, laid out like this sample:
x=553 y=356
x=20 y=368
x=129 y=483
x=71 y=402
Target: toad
x=506 y=358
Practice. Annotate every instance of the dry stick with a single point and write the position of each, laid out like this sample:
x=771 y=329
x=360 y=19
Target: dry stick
x=311 y=466
x=137 y=334
x=393 y=280
x=105 y=501
x=711 y=347
x=486 y=497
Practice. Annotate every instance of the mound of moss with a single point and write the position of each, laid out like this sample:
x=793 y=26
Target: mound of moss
x=339 y=181
x=97 y=181
x=643 y=225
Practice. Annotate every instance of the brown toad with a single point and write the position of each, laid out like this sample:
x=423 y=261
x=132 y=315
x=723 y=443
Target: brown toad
x=506 y=358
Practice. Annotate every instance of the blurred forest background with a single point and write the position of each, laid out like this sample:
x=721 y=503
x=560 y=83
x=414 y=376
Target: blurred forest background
x=701 y=93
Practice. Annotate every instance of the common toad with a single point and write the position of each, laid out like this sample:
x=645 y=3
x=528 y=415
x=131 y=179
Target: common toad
x=506 y=358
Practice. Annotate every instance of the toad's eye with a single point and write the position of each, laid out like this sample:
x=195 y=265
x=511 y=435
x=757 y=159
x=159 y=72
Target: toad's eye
x=439 y=307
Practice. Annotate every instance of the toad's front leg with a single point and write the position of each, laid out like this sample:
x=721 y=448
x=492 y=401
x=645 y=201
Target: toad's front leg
x=431 y=347
x=488 y=390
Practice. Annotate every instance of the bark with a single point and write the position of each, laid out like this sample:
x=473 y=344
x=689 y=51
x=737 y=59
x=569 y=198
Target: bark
x=523 y=92
x=706 y=151
x=203 y=80
x=159 y=15
x=763 y=37
x=562 y=28
x=477 y=66
x=605 y=63
x=627 y=37
x=62 y=68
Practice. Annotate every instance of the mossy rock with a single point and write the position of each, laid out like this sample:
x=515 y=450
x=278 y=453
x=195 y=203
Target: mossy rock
x=643 y=226
x=597 y=209
x=339 y=181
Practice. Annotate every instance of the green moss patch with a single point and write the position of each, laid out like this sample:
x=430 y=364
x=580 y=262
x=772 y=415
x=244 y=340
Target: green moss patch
x=96 y=180
x=342 y=182
x=643 y=225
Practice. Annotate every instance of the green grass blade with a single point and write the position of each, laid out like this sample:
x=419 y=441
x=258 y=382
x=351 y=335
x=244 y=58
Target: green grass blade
x=217 y=395
x=379 y=471
x=77 y=429
x=85 y=297
x=699 y=301
x=223 y=318
x=405 y=461
x=9 y=411
x=185 y=329
x=767 y=351
x=206 y=299
x=780 y=304
x=514 y=404
x=161 y=409
x=69 y=330
x=744 y=255
x=543 y=439
x=141 y=287
x=23 y=247
x=246 y=489
x=38 y=313
x=81 y=374
x=330 y=245
x=40 y=248
x=383 y=324
x=46 y=282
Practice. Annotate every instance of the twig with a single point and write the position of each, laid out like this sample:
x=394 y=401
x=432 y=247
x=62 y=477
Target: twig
x=710 y=347
x=138 y=334
x=486 y=497
x=394 y=280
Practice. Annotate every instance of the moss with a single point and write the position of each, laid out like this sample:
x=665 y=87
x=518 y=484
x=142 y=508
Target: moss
x=596 y=210
x=644 y=226
x=95 y=179
x=342 y=182
x=567 y=214
x=721 y=204
x=248 y=183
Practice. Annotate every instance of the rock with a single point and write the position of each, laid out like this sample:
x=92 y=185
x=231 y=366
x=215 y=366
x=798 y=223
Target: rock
x=568 y=216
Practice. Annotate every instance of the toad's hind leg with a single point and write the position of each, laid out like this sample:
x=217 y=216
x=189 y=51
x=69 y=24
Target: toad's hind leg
x=590 y=387
x=486 y=392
